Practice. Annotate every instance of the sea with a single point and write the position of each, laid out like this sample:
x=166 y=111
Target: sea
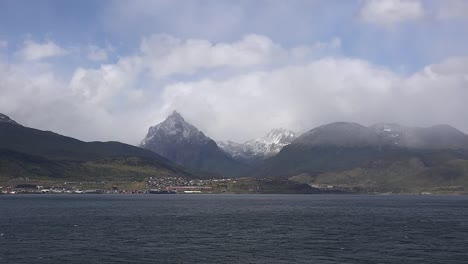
x=218 y=228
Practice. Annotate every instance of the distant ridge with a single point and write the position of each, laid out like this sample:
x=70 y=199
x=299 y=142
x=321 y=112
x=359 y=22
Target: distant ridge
x=348 y=134
x=345 y=145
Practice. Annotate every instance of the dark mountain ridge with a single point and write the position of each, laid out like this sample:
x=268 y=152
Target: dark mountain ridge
x=344 y=146
x=55 y=146
x=29 y=151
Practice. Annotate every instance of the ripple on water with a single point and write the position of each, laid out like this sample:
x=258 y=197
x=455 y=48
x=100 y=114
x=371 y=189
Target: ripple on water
x=233 y=229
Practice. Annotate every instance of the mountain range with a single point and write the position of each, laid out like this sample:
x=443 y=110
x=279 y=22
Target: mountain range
x=380 y=157
x=384 y=157
x=343 y=145
x=28 y=152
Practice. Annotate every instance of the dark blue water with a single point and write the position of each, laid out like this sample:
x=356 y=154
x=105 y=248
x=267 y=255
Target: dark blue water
x=233 y=229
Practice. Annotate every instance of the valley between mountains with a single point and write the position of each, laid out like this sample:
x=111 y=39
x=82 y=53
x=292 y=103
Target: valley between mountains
x=340 y=157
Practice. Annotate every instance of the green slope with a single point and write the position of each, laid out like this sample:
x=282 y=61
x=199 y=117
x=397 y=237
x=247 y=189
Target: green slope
x=27 y=152
x=372 y=168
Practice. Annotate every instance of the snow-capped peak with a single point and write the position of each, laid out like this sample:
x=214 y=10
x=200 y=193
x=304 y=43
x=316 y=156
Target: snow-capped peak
x=260 y=148
x=272 y=143
x=278 y=136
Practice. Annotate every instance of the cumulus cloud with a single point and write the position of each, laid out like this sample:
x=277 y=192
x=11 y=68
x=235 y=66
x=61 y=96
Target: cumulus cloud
x=36 y=51
x=86 y=107
x=391 y=12
x=102 y=84
x=166 y=55
x=171 y=55
x=119 y=101
x=297 y=97
x=96 y=53
x=322 y=91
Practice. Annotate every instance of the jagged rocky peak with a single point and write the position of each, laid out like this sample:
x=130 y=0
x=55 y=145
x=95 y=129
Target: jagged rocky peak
x=5 y=119
x=183 y=143
x=176 y=116
x=176 y=128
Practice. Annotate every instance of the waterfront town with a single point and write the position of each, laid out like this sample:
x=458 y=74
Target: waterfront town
x=167 y=185
x=152 y=185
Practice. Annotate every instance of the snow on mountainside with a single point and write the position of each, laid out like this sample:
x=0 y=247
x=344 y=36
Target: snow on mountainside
x=272 y=143
x=260 y=148
x=176 y=129
x=234 y=149
x=389 y=130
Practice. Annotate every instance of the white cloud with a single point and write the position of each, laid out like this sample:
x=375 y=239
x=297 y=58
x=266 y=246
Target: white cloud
x=166 y=55
x=87 y=107
x=297 y=97
x=96 y=53
x=98 y=86
x=391 y=12
x=3 y=44
x=322 y=91
x=453 y=9
x=36 y=51
x=119 y=102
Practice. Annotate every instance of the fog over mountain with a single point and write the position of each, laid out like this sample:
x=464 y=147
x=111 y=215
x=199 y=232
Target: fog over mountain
x=234 y=75
x=350 y=152
x=346 y=134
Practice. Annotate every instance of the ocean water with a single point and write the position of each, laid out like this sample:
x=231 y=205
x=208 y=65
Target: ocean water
x=233 y=229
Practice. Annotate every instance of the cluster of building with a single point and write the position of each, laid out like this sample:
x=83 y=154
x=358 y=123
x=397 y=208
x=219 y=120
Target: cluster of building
x=162 y=182
x=32 y=188
x=152 y=185
x=181 y=185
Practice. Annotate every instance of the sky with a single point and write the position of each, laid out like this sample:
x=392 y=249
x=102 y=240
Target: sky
x=108 y=70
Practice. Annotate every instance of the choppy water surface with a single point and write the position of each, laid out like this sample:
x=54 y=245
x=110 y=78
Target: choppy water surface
x=233 y=229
